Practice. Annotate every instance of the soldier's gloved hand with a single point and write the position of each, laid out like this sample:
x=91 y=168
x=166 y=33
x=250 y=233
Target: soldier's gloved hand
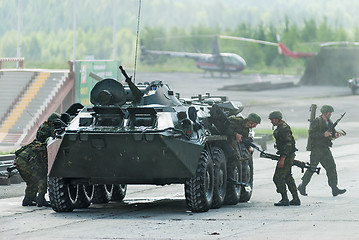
x=281 y=162
x=250 y=149
x=238 y=137
x=327 y=134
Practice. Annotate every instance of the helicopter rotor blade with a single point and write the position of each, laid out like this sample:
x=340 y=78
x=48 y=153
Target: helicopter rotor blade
x=248 y=40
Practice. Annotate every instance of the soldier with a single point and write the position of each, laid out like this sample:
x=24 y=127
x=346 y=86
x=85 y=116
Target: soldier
x=285 y=144
x=239 y=127
x=31 y=162
x=321 y=141
x=47 y=128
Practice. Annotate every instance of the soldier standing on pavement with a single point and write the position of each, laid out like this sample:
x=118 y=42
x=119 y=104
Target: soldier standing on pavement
x=285 y=144
x=321 y=141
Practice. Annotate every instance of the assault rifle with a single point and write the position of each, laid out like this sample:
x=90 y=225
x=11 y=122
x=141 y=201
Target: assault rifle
x=297 y=163
x=332 y=128
x=11 y=170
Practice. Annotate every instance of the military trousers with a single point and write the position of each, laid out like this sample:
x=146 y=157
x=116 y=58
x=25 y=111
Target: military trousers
x=283 y=177
x=36 y=179
x=325 y=158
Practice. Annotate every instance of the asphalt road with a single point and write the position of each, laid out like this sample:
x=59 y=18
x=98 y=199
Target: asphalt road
x=159 y=212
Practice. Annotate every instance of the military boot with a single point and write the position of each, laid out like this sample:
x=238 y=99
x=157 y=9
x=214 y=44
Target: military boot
x=41 y=201
x=28 y=201
x=301 y=189
x=336 y=191
x=295 y=201
x=284 y=201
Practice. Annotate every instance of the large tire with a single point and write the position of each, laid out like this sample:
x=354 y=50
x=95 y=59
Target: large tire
x=102 y=194
x=220 y=177
x=247 y=177
x=199 y=189
x=63 y=196
x=86 y=193
x=234 y=176
x=119 y=192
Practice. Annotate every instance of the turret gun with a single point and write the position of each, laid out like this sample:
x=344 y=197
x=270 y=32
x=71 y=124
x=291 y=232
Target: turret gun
x=137 y=94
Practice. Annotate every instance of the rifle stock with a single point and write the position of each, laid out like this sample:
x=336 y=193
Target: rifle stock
x=297 y=163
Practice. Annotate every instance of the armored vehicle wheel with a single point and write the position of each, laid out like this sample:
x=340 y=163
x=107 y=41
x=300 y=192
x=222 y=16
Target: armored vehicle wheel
x=247 y=177
x=220 y=177
x=63 y=196
x=102 y=194
x=85 y=197
x=199 y=189
x=234 y=177
x=119 y=192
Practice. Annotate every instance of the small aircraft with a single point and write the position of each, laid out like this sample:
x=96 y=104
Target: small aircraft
x=216 y=62
x=282 y=49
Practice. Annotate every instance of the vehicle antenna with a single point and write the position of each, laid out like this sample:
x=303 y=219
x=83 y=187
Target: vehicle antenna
x=138 y=27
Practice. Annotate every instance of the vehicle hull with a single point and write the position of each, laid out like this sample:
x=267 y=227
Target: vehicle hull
x=130 y=158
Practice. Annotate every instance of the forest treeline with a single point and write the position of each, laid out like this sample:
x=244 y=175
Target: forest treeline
x=47 y=36
x=54 y=49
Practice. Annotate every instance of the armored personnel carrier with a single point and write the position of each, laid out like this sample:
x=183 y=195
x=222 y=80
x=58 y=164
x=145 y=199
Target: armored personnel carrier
x=144 y=134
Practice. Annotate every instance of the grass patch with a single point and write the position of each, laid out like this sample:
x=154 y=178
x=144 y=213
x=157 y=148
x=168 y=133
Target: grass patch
x=297 y=132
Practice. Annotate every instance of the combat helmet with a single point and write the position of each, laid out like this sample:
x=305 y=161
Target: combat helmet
x=275 y=114
x=326 y=109
x=53 y=117
x=254 y=118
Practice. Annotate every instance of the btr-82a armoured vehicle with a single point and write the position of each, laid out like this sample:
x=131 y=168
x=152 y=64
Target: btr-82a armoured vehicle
x=144 y=134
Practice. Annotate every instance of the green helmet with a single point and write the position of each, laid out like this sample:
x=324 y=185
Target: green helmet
x=275 y=114
x=254 y=118
x=326 y=109
x=53 y=117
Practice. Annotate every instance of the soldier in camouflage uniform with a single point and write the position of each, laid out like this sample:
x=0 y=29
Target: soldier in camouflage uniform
x=239 y=127
x=285 y=144
x=31 y=162
x=320 y=143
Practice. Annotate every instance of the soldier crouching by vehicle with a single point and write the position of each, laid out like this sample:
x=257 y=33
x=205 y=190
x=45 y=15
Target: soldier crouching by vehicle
x=31 y=162
x=240 y=127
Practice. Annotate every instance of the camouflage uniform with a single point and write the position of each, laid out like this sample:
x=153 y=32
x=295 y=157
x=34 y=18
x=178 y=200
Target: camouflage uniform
x=285 y=144
x=237 y=125
x=320 y=153
x=31 y=162
x=45 y=130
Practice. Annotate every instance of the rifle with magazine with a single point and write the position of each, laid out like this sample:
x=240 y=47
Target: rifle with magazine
x=297 y=163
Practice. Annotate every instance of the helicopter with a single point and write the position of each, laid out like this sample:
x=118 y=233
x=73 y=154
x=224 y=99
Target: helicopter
x=216 y=62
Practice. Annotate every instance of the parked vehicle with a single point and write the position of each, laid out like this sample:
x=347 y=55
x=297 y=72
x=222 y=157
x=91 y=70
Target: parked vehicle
x=144 y=134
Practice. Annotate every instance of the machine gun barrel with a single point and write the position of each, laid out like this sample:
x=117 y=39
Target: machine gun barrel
x=297 y=163
x=137 y=94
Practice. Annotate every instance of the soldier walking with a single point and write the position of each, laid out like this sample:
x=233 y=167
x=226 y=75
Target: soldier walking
x=320 y=143
x=285 y=144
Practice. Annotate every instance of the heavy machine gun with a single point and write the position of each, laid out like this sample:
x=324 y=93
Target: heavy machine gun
x=297 y=163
